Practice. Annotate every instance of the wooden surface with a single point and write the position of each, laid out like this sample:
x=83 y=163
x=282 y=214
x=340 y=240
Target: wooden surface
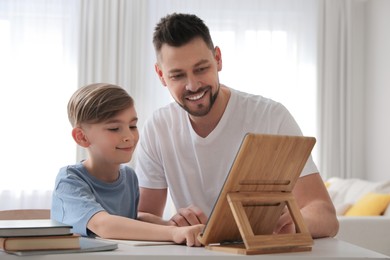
x=24 y=214
x=265 y=170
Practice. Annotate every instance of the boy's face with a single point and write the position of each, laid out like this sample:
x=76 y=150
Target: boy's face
x=191 y=74
x=113 y=141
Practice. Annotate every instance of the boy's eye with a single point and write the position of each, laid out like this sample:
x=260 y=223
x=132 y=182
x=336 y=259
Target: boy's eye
x=113 y=129
x=133 y=127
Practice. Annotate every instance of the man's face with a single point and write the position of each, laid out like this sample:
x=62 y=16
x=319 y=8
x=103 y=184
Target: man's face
x=190 y=72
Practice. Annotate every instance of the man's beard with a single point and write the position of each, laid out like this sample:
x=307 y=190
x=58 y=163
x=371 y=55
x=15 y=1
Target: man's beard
x=202 y=110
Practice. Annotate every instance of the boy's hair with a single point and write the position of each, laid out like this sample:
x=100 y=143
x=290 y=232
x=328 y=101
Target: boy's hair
x=96 y=103
x=178 y=29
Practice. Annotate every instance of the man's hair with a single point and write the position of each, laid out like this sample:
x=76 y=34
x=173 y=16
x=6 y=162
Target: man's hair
x=96 y=103
x=178 y=29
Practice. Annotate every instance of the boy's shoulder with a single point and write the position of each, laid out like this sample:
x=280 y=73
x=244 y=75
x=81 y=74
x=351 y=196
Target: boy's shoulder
x=128 y=175
x=73 y=168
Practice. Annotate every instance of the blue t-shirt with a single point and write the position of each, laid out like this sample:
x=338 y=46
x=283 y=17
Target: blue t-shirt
x=78 y=196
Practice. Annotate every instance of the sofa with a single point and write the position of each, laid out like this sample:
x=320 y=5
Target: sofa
x=363 y=211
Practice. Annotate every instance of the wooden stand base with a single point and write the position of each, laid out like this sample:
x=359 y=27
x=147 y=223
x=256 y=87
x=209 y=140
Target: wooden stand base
x=265 y=243
x=241 y=249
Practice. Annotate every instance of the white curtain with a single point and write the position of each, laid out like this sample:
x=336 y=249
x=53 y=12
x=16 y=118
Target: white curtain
x=269 y=47
x=38 y=72
x=341 y=88
x=115 y=48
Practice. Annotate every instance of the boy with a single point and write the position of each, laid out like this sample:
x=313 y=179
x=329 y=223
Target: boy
x=99 y=196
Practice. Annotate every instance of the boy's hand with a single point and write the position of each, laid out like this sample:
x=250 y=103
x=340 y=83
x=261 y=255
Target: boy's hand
x=187 y=235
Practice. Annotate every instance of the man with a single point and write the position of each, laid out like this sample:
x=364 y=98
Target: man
x=190 y=144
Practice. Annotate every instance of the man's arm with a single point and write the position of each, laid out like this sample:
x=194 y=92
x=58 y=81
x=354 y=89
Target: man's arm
x=152 y=201
x=316 y=207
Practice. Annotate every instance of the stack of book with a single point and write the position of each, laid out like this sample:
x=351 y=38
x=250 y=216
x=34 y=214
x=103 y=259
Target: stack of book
x=46 y=236
x=37 y=234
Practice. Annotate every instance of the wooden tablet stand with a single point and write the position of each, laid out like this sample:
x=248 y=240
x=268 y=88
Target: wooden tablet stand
x=271 y=243
x=256 y=192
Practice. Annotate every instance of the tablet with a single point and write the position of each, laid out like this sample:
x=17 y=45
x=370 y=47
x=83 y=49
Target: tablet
x=263 y=163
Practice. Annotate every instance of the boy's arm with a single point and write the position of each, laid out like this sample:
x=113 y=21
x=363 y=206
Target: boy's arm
x=116 y=227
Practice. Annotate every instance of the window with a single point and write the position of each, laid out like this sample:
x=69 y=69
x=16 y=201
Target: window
x=38 y=75
x=268 y=63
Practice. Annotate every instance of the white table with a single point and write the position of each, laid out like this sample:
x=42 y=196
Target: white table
x=327 y=248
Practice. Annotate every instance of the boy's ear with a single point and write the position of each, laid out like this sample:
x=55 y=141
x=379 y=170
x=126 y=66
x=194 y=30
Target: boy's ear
x=80 y=137
x=160 y=74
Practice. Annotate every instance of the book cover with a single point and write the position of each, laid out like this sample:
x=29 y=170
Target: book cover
x=33 y=227
x=39 y=243
x=86 y=245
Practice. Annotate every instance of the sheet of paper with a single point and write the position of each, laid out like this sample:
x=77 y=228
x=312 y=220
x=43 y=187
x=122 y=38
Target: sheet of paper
x=138 y=242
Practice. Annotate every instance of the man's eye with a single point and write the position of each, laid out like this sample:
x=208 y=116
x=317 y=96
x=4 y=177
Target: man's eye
x=201 y=69
x=176 y=76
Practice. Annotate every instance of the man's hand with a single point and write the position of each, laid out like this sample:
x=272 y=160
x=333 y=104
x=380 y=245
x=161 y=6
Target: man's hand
x=189 y=216
x=285 y=224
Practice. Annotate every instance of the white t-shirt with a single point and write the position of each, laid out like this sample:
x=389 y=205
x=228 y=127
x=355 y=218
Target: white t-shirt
x=171 y=155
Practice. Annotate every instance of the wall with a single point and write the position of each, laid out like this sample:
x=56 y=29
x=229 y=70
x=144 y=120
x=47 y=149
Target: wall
x=378 y=90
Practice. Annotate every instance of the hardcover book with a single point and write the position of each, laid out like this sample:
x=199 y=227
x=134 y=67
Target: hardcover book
x=33 y=227
x=40 y=243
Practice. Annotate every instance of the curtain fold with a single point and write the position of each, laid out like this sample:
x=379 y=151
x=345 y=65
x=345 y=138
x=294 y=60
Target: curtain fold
x=268 y=48
x=341 y=89
x=115 y=47
x=111 y=41
x=38 y=67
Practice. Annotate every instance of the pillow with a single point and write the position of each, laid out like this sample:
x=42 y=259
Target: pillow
x=343 y=191
x=371 y=204
x=387 y=211
x=342 y=208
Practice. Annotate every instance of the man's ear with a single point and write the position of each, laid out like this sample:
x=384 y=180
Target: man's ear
x=218 y=57
x=80 y=137
x=160 y=74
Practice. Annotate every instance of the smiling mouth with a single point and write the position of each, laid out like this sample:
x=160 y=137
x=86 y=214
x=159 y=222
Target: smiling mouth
x=196 y=96
x=125 y=148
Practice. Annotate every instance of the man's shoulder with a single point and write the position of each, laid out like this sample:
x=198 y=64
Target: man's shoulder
x=172 y=107
x=167 y=114
x=253 y=99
